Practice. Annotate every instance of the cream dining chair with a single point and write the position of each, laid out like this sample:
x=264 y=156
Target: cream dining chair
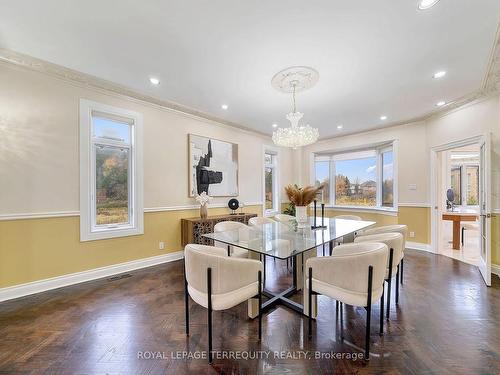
x=400 y=228
x=218 y=282
x=225 y=226
x=394 y=242
x=283 y=218
x=257 y=222
x=348 y=217
x=353 y=275
x=349 y=238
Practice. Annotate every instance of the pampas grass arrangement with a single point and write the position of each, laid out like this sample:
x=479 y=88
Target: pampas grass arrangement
x=302 y=196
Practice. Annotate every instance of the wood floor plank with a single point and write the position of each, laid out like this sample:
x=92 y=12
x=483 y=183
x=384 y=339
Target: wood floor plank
x=446 y=323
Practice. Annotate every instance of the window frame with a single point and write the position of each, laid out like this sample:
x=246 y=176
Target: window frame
x=89 y=230
x=378 y=149
x=464 y=188
x=276 y=188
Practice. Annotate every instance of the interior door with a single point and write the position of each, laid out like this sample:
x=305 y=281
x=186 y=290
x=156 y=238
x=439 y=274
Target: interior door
x=485 y=209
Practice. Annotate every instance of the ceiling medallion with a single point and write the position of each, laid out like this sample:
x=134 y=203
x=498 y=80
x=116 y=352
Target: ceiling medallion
x=293 y=80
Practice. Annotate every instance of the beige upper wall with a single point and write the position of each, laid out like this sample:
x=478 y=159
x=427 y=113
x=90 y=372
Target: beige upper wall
x=413 y=159
x=416 y=140
x=39 y=159
x=472 y=120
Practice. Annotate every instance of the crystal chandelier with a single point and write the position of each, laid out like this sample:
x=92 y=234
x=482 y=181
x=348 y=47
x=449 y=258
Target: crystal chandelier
x=292 y=80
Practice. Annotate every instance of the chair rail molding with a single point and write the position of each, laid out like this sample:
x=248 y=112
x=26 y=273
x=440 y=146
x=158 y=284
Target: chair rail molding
x=53 y=214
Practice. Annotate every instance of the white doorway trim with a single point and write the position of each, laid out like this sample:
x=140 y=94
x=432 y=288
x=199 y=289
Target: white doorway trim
x=434 y=188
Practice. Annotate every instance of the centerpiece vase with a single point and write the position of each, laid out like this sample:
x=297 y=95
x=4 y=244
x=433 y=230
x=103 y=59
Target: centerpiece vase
x=301 y=214
x=203 y=211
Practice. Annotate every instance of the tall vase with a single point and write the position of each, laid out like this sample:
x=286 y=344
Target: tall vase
x=203 y=211
x=301 y=214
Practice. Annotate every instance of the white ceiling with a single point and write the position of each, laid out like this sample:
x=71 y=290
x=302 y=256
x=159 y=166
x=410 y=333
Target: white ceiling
x=374 y=57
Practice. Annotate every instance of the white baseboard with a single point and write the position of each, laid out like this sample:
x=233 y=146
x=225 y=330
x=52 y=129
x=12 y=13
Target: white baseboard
x=22 y=290
x=495 y=269
x=419 y=246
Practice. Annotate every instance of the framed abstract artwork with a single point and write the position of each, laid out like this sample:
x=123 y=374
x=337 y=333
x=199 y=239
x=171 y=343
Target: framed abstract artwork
x=213 y=167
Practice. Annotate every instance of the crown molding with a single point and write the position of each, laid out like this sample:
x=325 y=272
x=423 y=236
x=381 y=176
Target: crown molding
x=107 y=87
x=490 y=87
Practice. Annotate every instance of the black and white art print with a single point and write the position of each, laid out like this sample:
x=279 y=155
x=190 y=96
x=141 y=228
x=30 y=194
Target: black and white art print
x=213 y=167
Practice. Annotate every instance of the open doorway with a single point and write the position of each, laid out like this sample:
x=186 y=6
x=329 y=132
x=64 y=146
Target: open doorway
x=460 y=194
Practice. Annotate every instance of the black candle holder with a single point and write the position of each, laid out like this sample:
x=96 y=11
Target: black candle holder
x=322 y=226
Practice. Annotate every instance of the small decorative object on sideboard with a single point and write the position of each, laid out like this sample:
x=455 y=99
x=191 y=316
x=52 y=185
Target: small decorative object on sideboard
x=301 y=198
x=233 y=205
x=203 y=200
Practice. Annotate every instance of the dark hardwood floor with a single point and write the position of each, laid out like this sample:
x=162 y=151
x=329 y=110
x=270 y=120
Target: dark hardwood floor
x=447 y=322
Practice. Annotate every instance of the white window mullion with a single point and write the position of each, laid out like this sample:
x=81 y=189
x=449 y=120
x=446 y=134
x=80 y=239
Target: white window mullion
x=379 y=179
x=332 y=182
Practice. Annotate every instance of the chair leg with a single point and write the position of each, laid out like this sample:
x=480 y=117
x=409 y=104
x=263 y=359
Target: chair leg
x=228 y=250
x=368 y=313
x=389 y=286
x=336 y=309
x=382 y=305
x=463 y=231
x=341 y=308
x=260 y=304
x=389 y=282
x=186 y=301
x=309 y=300
x=397 y=286
x=209 y=292
x=264 y=270
x=402 y=262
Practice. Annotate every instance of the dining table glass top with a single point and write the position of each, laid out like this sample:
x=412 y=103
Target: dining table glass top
x=284 y=240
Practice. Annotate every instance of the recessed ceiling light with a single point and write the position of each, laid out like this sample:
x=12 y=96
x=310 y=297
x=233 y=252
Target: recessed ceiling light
x=155 y=81
x=340 y=126
x=426 y=4
x=383 y=118
x=440 y=74
x=275 y=125
x=224 y=106
x=441 y=103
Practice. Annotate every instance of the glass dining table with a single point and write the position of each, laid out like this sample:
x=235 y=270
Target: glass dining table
x=289 y=241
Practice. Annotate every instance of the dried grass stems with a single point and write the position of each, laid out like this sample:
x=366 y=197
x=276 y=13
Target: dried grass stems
x=302 y=196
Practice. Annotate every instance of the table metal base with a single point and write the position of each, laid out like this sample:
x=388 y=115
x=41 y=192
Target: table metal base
x=281 y=298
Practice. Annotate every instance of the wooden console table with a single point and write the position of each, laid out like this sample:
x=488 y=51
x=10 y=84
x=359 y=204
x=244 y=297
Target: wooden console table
x=193 y=229
x=457 y=217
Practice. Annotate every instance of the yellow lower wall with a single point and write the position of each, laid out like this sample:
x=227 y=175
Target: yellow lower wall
x=495 y=239
x=417 y=219
x=37 y=249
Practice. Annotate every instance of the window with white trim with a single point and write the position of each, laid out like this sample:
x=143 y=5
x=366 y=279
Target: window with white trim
x=111 y=202
x=358 y=179
x=271 y=190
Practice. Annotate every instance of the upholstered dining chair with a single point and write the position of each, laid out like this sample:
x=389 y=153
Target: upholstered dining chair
x=353 y=275
x=260 y=220
x=225 y=226
x=394 y=242
x=349 y=238
x=283 y=218
x=400 y=228
x=218 y=282
x=257 y=222
x=348 y=217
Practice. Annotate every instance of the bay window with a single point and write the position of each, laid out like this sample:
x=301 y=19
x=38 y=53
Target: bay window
x=357 y=179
